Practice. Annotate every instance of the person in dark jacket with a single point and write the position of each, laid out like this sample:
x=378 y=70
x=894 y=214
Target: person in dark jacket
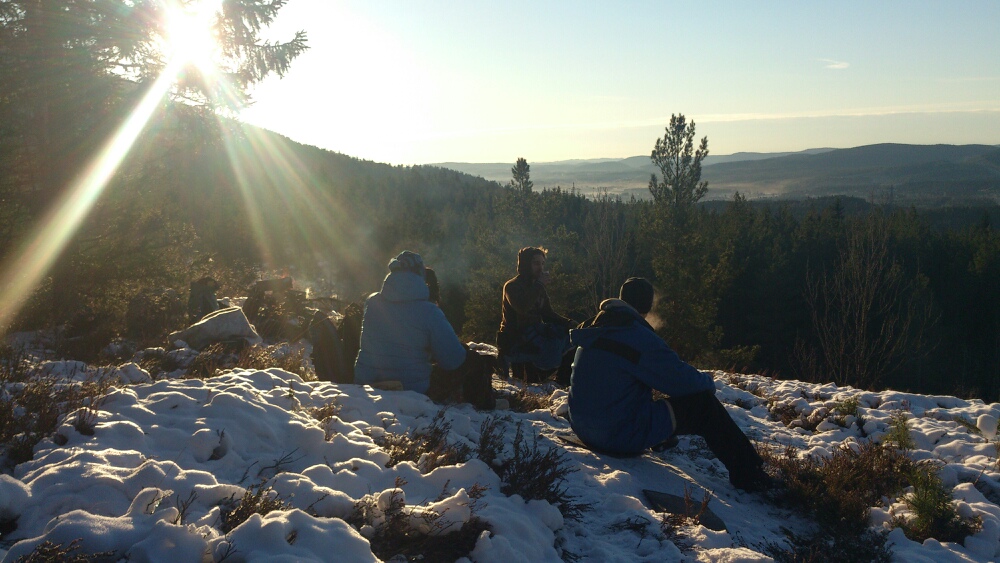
x=406 y=341
x=618 y=363
x=530 y=331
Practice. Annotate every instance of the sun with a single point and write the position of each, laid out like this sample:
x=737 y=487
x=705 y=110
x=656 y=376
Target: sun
x=190 y=35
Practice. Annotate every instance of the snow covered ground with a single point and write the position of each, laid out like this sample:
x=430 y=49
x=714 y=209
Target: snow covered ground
x=147 y=483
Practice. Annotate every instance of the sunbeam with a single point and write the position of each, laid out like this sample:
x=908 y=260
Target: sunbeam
x=22 y=272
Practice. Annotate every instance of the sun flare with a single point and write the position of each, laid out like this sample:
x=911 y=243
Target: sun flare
x=190 y=34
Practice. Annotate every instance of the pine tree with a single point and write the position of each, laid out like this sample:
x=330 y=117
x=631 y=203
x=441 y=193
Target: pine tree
x=521 y=173
x=73 y=69
x=680 y=164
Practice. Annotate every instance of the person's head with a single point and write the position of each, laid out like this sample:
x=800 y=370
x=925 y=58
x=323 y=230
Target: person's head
x=408 y=261
x=638 y=293
x=531 y=261
x=434 y=290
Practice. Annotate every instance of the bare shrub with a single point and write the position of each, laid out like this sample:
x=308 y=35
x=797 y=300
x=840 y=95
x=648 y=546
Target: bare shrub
x=785 y=412
x=153 y=313
x=524 y=399
x=49 y=552
x=264 y=357
x=529 y=471
x=429 y=447
x=326 y=411
x=390 y=534
x=838 y=493
x=31 y=408
x=638 y=525
x=671 y=525
x=821 y=547
x=868 y=318
x=257 y=499
x=229 y=355
x=843 y=487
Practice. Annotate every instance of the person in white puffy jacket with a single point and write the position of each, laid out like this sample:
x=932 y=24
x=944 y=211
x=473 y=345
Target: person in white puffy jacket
x=406 y=338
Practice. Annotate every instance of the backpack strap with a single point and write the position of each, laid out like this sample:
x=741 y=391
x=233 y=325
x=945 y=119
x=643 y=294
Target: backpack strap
x=627 y=352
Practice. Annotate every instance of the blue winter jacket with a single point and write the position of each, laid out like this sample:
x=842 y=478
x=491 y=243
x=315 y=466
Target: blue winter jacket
x=402 y=333
x=619 y=361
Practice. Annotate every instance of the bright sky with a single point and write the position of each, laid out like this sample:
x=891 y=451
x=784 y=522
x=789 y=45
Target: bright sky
x=411 y=82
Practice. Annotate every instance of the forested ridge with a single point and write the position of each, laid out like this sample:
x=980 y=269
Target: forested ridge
x=861 y=293
x=745 y=289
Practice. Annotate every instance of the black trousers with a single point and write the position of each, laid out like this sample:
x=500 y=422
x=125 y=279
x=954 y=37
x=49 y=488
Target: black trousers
x=702 y=414
x=471 y=382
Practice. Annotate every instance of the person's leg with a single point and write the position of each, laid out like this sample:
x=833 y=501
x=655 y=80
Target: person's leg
x=470 y=382
x=477 y=384
x=446 y=386
x=704 y=415
x=564 y=374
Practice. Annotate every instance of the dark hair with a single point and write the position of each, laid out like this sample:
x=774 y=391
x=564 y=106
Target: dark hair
x=525 y=256
x=430 y=277
x=638 y=293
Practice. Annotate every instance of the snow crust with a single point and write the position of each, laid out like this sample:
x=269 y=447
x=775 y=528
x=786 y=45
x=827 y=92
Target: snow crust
x=158 y=443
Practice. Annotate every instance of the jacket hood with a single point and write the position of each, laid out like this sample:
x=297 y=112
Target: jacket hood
x=614 y=314
x=404 y=286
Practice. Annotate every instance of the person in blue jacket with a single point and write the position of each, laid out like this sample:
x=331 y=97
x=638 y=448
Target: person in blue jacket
x=407 y=341
x=618 y=363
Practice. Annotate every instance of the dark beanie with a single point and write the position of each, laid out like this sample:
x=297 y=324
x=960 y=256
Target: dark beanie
x=638 y=293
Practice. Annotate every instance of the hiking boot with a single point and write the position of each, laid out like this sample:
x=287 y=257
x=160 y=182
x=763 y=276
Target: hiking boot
x=755 y=481
x=666 y=444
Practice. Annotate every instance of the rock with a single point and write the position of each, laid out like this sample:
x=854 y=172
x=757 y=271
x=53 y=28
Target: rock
x=132 y=373
x=220 y=326
x=987 y=424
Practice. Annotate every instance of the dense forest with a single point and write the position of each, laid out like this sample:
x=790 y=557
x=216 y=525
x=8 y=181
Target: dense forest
x=836 y=289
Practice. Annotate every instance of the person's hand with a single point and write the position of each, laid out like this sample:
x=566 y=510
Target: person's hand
x=544 y=278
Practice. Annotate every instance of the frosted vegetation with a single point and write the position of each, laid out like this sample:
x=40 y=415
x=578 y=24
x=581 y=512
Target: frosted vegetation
x=254 y=464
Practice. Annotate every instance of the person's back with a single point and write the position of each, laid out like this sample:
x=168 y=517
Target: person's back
x=619 y=361
x=402 y=333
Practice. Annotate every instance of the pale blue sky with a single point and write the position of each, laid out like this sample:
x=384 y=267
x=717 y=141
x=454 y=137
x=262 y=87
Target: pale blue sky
x=421 y=81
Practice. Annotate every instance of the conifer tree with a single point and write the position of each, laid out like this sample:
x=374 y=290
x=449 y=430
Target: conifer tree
x=681 y=185
x=72 y=70
x=521 y=173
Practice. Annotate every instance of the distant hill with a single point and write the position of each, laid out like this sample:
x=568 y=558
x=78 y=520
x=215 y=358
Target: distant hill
x=929 y=174
x=923 y=174
x=617 y=174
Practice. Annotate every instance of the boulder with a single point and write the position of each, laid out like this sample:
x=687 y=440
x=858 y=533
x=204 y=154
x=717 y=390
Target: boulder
x=220 y=326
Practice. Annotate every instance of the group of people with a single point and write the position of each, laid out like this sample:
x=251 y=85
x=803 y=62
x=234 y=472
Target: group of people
x=614 y=362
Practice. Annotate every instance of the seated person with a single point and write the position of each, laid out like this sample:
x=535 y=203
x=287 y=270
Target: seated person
x=530 y=331
x=406 y=341
x=620 y=360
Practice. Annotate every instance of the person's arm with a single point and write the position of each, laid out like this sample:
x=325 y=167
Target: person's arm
x=549 y=315
x=662 y=369
x=446 y=350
